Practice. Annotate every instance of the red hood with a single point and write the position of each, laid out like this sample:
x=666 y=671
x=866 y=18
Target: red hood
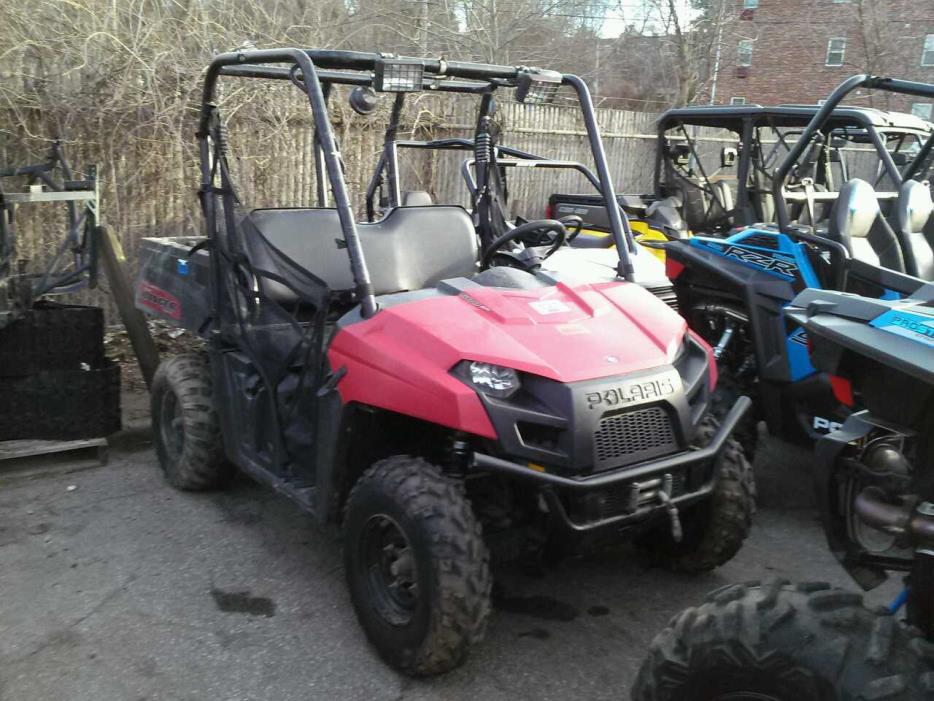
x=400 y=359
x=563 y=333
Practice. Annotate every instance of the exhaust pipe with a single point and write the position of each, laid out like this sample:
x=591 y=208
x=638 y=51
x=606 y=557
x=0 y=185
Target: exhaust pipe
x=899 y=519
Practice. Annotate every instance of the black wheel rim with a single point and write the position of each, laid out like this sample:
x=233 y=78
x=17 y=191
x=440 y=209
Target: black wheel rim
x=171 y=426
x=389 y=570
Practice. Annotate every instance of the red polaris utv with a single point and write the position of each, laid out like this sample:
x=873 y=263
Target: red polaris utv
x=435 y=395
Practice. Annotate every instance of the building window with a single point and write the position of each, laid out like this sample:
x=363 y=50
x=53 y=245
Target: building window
x=742 y=101
x=922 y=109
x=750 y=4
x=744 y=54
x=836 y=51
x=927 y=56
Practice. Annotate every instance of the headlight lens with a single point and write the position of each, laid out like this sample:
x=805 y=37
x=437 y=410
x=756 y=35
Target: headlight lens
x=494 y=380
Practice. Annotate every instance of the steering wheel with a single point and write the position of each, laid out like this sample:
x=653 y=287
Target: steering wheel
x=531 y=230
x=574 y=224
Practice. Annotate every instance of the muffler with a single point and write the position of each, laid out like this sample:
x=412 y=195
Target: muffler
x=914 y=521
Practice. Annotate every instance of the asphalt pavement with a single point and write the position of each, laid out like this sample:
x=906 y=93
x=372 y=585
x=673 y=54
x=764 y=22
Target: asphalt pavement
x=114 y=587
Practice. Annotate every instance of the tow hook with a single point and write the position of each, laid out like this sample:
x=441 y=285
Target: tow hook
x=664 y=496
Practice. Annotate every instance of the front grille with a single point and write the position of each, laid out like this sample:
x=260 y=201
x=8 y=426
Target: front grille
x=634 y=435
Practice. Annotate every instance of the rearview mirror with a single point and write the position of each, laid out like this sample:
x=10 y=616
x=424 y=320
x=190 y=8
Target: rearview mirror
x=680 y=154
x=727 y=157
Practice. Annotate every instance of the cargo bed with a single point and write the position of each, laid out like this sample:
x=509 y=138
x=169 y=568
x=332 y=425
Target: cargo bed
x=174 y=284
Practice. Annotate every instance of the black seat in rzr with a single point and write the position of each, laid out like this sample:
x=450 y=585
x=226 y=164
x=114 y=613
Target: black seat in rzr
x=722 y=203
x=410 y=249
x=857 y=223
x=913 y=219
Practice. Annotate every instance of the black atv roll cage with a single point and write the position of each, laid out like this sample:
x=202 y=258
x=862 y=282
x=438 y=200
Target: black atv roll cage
x=386 y=177
x=857 y=124
x=820 y=120
x=840 y=260
x=474 y=169
x=314 y=72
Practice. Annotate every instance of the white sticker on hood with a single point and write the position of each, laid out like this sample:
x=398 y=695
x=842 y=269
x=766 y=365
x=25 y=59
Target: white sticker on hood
x=549 y=306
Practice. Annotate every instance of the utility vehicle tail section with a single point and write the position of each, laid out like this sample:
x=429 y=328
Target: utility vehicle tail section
x=174 y=282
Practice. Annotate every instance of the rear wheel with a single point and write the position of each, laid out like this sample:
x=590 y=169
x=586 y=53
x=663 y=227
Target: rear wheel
x=185 y=425
x=417 y=566
x=713 y=530
x=779 y=642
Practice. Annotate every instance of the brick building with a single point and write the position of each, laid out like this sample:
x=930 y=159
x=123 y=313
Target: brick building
x=797 y=51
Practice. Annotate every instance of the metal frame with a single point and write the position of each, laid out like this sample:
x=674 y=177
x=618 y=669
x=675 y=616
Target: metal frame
x=313 y=71
x=745 y=119
x=55 y=176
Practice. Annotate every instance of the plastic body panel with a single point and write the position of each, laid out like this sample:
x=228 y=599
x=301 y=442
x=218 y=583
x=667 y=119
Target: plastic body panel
x=173 y=284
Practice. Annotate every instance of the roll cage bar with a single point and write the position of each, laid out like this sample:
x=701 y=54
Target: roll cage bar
x=314 y=71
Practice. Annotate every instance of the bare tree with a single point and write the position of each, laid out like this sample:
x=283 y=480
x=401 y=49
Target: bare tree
x=687 y=39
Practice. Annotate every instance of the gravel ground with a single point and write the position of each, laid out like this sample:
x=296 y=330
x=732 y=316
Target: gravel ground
x=115 y=587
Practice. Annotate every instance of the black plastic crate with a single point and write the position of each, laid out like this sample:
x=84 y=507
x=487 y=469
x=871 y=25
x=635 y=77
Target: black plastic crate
x=53 y=336
x=61 y=404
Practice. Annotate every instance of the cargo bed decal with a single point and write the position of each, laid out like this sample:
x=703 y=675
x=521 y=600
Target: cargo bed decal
x=159 y=301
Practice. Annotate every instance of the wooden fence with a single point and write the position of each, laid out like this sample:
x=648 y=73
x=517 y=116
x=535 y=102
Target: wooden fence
x=149 y=184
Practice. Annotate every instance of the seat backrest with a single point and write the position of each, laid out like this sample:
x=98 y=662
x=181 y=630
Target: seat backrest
x=722 y=203
x=913 y=212
x=410 y=249
x=416 y=198
x=856 y=222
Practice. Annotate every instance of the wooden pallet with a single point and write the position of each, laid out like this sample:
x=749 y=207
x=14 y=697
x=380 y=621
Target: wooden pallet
x=92 y=448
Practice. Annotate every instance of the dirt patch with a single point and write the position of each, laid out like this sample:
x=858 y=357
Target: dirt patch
x=169 y=339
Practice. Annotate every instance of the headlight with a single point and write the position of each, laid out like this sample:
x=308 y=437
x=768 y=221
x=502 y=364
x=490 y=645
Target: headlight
x=399 y=75
x=493 y=380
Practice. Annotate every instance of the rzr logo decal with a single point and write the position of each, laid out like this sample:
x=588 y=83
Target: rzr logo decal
x=762 y=260
x=159 y=301
x=631 y=394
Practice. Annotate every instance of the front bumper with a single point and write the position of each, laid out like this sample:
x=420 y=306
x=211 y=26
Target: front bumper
x=628 y=480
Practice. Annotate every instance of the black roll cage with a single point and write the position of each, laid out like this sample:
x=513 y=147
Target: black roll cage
x=387 y=166
x=314 y=71
x=387 y=174
x=825 y=113
x=747 y=119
